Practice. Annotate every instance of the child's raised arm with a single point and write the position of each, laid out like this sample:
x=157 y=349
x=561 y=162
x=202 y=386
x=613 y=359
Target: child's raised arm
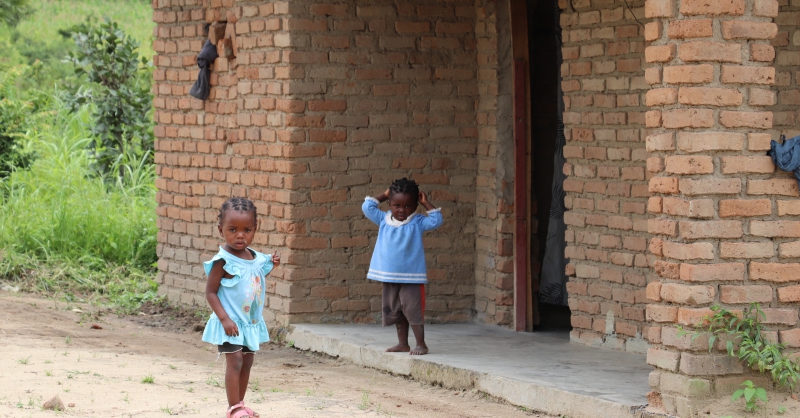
x=212 y=287
x=434 y=218
x=370 y=207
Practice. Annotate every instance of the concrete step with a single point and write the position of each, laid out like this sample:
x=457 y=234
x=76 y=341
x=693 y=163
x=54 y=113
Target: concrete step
x=538 y=371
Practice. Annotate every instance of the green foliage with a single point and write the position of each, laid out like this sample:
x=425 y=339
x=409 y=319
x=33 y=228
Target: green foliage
x=120 y=92
x=135 y=17
x=751 y=396
x=17 y=117
x=32 y=42
x=63 y=230
x=754 y=350
x=14 y=11
x=58 y=207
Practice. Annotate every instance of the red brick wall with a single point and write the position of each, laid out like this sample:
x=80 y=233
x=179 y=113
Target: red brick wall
x=786 y=116
x=323 y=104
x=494 y=210
x=724 y=221
x=187 y=152
x=604 y=93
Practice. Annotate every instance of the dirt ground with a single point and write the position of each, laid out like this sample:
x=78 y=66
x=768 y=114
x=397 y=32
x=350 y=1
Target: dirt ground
x=129 y=369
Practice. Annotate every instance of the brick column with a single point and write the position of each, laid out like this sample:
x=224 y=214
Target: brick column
x=494 y=211
x=710 y=183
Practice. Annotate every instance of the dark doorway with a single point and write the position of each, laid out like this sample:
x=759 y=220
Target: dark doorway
x=547 y=254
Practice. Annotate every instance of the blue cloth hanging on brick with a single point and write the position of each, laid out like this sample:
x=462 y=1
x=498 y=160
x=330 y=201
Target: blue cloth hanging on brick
x=787 y=155
x=202 y=87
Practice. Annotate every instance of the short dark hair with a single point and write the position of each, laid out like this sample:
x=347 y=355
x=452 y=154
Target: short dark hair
x=405 y=186
x=238 y=204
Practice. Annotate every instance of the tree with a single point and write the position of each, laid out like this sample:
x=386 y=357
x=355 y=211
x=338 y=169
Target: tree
x=120 y=91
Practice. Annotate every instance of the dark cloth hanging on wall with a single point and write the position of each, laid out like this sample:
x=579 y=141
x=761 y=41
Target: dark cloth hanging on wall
x=787 y=155
x=202 y=87
x=553 y=279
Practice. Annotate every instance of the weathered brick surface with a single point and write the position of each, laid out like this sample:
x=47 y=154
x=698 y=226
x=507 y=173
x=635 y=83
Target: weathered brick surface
x=608 y=185
x=740 y=248
x=322 y=104
x=494 y=211
x=673 y=206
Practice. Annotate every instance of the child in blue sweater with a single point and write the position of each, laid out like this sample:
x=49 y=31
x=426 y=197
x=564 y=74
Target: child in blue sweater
x=399 y=259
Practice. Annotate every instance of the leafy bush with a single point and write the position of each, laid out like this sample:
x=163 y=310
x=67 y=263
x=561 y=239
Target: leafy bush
x=120 y=92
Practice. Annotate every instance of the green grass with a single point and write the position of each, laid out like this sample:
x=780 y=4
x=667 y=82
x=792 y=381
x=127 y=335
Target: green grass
x=134 y=16
x=37 y=38
x=68 y=232
x=64 y=231
x=60 y=207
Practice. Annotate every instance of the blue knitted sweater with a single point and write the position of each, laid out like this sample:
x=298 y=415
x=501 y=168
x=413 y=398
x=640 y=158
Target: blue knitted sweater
x=399 y=255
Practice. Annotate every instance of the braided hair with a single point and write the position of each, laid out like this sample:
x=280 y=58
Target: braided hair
x=405 y=186
x=238 y=204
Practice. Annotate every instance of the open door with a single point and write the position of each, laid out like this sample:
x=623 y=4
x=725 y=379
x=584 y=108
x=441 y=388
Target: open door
x=549 y=292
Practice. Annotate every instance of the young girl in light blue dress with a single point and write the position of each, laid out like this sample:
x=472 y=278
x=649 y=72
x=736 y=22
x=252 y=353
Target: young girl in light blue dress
x=236 y=291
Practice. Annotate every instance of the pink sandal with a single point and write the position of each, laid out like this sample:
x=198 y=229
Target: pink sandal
x=250 y=411
x=241 y=413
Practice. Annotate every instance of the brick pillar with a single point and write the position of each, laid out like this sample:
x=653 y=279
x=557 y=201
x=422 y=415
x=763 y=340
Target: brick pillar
x=710 y=183
x=494 y=211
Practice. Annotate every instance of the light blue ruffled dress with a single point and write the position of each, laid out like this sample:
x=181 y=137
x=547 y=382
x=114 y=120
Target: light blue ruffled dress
x=242 y=296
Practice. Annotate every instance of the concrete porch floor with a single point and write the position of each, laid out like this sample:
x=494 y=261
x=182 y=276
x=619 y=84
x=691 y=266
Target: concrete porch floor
x=540 y=371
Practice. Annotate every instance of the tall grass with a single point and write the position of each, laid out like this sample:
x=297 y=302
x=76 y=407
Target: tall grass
x=64 y=228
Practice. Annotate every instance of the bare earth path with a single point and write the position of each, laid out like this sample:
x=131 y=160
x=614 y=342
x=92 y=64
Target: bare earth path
x=48 y=349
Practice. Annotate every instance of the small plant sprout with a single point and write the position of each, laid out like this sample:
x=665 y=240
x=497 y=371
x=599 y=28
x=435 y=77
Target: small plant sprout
x=24 y=360
x=755 y=350
x=149 y=379
x=212 y=381
x=364 y=401
x=751 y=396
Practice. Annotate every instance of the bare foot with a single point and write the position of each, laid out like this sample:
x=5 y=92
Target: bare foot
x=419 y=350
x=399 y=348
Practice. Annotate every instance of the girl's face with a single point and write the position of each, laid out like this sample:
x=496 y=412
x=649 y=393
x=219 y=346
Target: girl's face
x=402 y=205
x=238 y=229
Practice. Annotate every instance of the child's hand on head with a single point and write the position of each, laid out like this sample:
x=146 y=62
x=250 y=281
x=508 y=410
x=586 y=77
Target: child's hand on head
x=276 y=259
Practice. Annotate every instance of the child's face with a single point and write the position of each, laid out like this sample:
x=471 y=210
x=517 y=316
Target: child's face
x=238 y=229
x=402 y=205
